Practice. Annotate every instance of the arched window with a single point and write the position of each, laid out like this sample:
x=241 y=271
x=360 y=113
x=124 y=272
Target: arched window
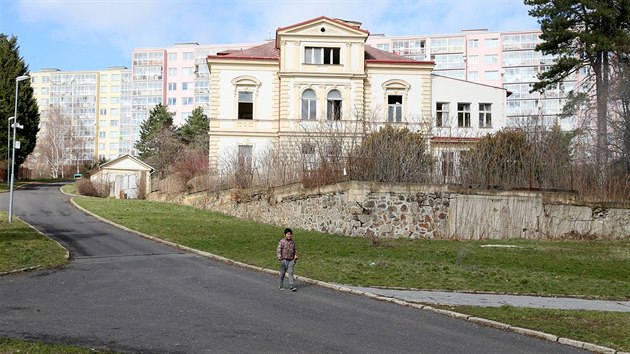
x=396 y=92
x=309 y=105
x=246 y=93
x=394 y=108
x=334 y=105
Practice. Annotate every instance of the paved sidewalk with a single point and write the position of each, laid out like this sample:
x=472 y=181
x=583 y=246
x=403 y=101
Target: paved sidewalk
x=496 y=300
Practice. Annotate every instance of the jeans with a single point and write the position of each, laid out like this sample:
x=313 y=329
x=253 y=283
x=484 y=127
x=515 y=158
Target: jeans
x=286 y=266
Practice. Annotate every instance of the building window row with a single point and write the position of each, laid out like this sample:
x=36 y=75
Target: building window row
x=463 y=115
x=333 y=105
x=314 y=55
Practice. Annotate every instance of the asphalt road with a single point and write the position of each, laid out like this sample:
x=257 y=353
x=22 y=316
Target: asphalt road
x=125 y=293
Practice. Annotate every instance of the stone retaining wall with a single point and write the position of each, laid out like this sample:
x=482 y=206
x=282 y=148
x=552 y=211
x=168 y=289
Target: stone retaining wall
x=366 y=209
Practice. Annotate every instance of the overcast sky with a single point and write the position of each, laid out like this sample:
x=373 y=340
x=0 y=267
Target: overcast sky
x=96 y=34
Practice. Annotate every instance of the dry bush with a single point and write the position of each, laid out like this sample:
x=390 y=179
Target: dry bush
x=392 y=155
x=173 y=184
x=591 y=187
x=93 y=189
x=194 y=163
x=85 y=187
x=517 y=159
x=198 y=184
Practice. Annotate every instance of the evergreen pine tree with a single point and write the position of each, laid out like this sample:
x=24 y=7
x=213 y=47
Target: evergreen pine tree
x=159 y=118
x=11 y=67
x=196 y=127
x=583 y=33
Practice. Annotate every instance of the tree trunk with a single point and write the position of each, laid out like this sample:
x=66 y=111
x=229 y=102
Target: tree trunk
x=601 y=83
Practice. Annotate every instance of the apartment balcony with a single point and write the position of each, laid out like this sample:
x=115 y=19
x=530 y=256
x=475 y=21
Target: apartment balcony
x=445 y=50
x=147 y=77
x=140 y=62
x=519 y=45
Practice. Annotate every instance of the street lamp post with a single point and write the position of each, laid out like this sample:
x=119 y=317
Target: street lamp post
x=15 y=123
x=8 y=148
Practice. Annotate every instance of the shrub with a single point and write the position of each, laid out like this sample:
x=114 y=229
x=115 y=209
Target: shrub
x=93 y=189
x=173 y=184
x=392 y=155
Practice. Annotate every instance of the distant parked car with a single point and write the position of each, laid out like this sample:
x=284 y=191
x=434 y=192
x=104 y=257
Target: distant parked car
x=77 y=176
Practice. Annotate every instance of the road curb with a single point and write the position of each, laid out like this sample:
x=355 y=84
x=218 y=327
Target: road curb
x=477 y=320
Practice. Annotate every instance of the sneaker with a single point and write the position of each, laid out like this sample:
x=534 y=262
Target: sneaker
x=281 y=287
x=293 y=288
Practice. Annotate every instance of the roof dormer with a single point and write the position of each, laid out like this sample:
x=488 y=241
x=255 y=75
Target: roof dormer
x=322 y=46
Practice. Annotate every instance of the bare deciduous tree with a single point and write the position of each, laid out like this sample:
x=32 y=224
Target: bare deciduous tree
x=59 y=142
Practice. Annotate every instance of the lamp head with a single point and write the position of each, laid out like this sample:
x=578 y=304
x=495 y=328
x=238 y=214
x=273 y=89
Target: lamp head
x=22 y=78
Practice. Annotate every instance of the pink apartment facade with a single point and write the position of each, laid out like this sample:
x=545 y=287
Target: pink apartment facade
x=503 y=59
x=176 y=76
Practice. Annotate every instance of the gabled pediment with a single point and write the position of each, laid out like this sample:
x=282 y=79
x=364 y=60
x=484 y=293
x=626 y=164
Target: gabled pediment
x=124 y=162
x=323 y=27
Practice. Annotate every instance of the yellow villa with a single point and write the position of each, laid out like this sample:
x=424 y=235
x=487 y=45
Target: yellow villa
x=319 y=79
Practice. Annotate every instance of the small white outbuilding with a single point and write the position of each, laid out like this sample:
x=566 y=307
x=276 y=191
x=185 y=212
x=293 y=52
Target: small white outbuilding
x=129 y=177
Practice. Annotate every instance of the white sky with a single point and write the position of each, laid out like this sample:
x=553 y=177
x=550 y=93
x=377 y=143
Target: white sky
x=96 y=34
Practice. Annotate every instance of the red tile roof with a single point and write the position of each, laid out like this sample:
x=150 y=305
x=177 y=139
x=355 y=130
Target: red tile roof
x=266 y=51
x=380 y=56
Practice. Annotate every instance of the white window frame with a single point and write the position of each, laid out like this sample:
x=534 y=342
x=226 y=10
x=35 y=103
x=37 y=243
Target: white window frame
x=308 y=105
x=245 y=83
x=441 y=114
x=491 y=75
x=394 y=110
x=334 y=105
x=322 y=55
x=245 y=99
x=485 y=115
x=463 y=115
x=491 y=59
x=491 y=43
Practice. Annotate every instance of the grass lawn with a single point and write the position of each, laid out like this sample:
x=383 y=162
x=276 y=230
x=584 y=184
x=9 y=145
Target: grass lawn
x=23 y=247
x=609 y=329
x=18 y=346
x=70 y=188
x=595 y=269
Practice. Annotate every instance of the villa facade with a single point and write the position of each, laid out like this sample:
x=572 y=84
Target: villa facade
x=319 y=77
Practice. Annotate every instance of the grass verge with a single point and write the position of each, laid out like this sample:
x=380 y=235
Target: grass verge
x=19 y=346
x=70 y=188
x=608 y=329
x=23 y=247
